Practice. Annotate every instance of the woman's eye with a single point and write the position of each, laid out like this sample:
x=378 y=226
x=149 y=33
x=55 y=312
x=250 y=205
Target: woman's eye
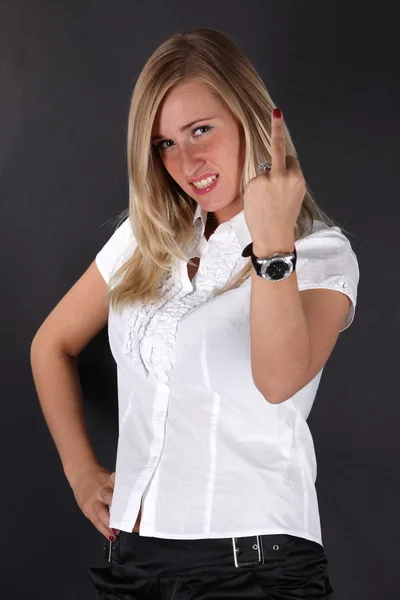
x=161 y=147
x=202 y=127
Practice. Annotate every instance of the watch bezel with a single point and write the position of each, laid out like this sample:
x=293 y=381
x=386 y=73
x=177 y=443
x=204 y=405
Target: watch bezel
x=265 y=263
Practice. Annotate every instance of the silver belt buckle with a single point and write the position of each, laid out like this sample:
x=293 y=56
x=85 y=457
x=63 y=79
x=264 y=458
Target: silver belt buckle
x=257 y=546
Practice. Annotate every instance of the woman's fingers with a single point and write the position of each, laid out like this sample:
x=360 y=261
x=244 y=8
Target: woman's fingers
x=94 y=493
x=106 y=495
x=101 y=519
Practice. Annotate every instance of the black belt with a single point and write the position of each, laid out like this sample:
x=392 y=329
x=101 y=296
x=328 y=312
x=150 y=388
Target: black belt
x=247 y=551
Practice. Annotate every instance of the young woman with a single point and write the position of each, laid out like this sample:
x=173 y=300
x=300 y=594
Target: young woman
x=225 y=289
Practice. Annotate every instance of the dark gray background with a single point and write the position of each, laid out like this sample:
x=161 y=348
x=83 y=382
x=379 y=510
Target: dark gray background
x=67 y=70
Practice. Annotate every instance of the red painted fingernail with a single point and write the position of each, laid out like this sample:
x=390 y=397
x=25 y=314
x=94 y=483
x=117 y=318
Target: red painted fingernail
x=111 y=538
x=277 y=113
x=116 y=531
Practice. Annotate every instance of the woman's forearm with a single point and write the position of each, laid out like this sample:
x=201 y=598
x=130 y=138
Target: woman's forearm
x=58 y=386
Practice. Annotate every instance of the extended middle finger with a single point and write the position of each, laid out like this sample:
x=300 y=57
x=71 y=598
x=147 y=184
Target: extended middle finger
x=278 y=144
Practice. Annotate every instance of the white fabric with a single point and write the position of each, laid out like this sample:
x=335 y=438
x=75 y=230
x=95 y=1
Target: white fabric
x=211 y=456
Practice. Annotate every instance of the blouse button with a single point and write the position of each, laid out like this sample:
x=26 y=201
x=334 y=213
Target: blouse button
x=204 y=269
x=153 y=460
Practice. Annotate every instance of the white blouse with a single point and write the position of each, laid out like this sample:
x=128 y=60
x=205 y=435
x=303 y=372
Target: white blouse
x=210 y=455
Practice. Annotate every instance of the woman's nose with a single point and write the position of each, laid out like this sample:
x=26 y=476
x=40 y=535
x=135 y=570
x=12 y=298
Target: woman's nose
x=191 y=161
x=191 y=165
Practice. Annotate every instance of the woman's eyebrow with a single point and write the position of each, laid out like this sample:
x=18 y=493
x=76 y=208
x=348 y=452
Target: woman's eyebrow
x=159 y=137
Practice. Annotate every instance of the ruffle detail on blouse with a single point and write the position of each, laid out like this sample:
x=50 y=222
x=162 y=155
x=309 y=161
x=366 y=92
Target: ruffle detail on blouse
x=142 y=314
x=224 y=261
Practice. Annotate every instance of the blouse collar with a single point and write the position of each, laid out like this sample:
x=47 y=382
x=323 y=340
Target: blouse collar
x=237 y=224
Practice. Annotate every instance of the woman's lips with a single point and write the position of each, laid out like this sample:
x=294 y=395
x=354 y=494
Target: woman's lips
x=205 y=190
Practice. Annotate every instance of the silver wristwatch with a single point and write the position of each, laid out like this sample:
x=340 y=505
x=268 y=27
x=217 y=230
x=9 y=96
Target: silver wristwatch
x=274 y=268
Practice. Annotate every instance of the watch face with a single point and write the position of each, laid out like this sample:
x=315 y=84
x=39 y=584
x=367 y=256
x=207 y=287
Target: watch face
x=277 y=269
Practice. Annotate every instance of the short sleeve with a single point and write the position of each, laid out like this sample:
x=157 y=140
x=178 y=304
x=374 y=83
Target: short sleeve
x=111 y=255
x=325 y=259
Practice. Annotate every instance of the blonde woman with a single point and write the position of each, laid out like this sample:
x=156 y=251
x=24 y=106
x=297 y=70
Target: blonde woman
x=225 y=288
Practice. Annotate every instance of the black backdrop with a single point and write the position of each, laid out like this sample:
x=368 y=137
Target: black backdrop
x=66 y=74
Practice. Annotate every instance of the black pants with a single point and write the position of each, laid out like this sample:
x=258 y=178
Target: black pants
x=277 y=567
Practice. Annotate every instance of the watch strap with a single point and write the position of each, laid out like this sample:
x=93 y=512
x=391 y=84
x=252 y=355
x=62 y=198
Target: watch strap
x=248 y=251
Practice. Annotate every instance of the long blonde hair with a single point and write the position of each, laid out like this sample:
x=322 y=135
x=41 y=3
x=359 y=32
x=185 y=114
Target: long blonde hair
x=161 y=213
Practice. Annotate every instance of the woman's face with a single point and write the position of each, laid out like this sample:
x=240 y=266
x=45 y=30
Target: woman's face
x=211 y=145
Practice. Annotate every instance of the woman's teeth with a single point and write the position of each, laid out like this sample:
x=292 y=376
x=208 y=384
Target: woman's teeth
x=205 y=182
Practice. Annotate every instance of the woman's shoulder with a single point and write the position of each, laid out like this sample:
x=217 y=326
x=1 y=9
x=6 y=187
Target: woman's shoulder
x=119 y=244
